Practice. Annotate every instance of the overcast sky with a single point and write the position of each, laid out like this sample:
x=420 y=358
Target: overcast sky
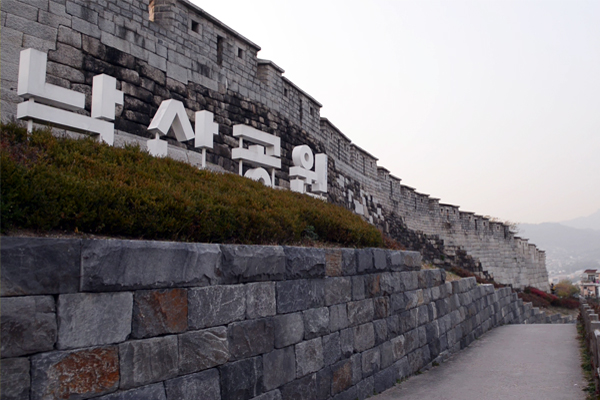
x=490 y=105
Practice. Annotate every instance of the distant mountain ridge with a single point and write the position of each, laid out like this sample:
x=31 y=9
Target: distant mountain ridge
x=589 y=222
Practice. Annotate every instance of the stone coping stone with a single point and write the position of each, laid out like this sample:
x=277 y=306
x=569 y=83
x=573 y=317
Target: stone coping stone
x=33 y=266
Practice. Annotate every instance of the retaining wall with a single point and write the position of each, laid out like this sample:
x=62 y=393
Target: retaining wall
x=172 y=49
x=115 y=319
x=592 y=338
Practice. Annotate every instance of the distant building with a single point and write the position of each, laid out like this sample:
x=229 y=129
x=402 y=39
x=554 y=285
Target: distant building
x=590 y=283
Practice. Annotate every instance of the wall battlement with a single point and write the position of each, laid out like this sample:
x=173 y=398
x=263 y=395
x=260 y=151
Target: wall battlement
x=172 y=49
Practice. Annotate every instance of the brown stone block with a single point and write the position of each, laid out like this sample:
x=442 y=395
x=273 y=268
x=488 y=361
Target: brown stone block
x=76 y=374
x=342 y=376
x=333 y=263
x=156 y=312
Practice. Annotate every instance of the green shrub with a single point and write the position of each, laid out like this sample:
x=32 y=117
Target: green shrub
x=51 y=183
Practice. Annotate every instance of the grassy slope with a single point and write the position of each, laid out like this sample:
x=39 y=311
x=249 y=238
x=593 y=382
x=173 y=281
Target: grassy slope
x=51 y=183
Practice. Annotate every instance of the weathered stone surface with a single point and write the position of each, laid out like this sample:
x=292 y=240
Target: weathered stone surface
x=39 y=266
x=331 y=348
x=356 y=368
x=381 y=332
x=365 y=388
x=372 y=285
x=395 y=260
x=242 y=380
x=299 y=295
x=304 y=262
x=324 y=383
x=216 y=305
x=202 y=385
x=138 y=264
x=316 y=322
x=386 y=349
x=398 y=348
x=250 y=338
x=364 y=337
x=243 y=263
x=289 y=329
x=92 y=319
x=279 y=367
x=14 y=378
x=75 y=374
x=338 y=290
x=382 y=307
x=148 y=361
x=28 y=325
x=349 y=394
x=398 y=302
x=371 y=361
x=260 y=300
x=342 y=376
x=386 y=378
x=360 y=312
x=199 y=350
x=409 y=280
x=379 y=259
x=333 y=262
x=157 y=312
x=309 y=357
x=364 y=260
x=412 y=259
x=348 y=262
x=301 y=389
x=347 y=342
x=272 y=395
x=338 y=317
x=150 y=392
x=358 y=288
x=403 y=367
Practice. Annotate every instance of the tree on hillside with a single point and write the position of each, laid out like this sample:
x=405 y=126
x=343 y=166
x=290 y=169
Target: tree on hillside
x=565 y=288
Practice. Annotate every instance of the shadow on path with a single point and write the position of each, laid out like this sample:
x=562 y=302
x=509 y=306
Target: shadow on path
x=511 y=362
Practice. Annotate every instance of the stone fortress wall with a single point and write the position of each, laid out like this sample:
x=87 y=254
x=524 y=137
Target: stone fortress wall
x=119 y=320
x=172 y=49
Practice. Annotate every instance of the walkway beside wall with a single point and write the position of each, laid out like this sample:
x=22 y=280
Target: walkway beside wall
x=510 y=362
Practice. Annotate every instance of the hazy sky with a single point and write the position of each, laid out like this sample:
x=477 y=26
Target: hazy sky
x=490 y=105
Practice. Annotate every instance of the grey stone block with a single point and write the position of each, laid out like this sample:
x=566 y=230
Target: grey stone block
x=381 y=332
x=242 y=380
x=387 y=354
x=309 y=357
x=316 y=322
x=348 y=262
x=349 y=394
x=199 y=350
x=150 y=392
x=79 y=374
x=398 y=347
x=360 y=312
x=364 y=260
x=28 y=325
x=304 y=262
x=365 y=388
x=14 y=379
x=358 y=288
x=331 y=348
x=301 y=389
x=250 y=338
x=385 y=379
x=395 y=260
x=252 y=263
x=136 y=264
x=412 y=259
x=379 y=259
x=289 y=329
x=382 y=307
x=341 y=376
x=364 y=337
x=202 y=385
x=272 y=395
x=356 y=360
x=39 y=266
x=279 y=367
x=410 y=280
x=260 y=300
x=216 y=305
x=324 y=377
x=338 y=317
x=299 y=295
x=403 y=367
x=68 y=36
x=93 y=319
x=148 y=361
x=371 y=361
x=338 y=290
x=158 y=312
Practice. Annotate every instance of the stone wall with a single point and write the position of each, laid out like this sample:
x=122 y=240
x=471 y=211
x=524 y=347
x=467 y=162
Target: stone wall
x=172 y=49
x=591 y=326
x=114 y=319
